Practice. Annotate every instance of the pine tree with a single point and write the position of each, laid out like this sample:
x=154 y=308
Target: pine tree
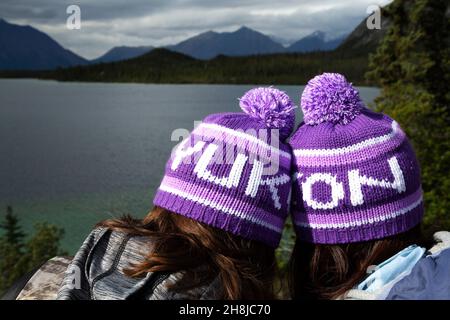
x=18 y=257
x=13 y=231
x=411 y=66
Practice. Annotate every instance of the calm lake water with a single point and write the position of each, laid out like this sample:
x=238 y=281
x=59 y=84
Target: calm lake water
x=77 y=153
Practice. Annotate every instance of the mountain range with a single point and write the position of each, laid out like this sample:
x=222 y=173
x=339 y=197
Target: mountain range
x=246 y=42
x=122 y=53
x=165 y=65
x=26 y=48
x=242 y=42
x=316 y=41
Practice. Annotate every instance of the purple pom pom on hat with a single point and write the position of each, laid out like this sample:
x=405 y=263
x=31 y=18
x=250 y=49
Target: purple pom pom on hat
x=273 y=107
x=356 y=174
x=330 y=98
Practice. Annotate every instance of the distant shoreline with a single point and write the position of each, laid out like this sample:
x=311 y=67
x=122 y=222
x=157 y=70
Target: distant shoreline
x=162 y=66
x=175 y=84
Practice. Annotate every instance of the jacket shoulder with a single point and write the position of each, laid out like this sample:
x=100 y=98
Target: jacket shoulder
x=46 y=281
x=428 y=280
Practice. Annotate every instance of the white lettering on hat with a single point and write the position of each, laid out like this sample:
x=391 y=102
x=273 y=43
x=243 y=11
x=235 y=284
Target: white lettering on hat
x=273 y=184
x=180 y=154
x=356 y=181
x=255 y=181
x=234 y=176
x=337 y=190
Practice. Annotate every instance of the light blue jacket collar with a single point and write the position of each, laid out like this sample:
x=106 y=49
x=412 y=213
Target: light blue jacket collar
x=391 y=269
x=386 y=275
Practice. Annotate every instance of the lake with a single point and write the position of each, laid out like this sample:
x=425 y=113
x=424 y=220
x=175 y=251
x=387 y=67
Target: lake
x=77 y=153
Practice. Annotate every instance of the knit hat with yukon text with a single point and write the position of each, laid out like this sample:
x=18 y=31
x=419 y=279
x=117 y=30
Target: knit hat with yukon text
x=356 y=174
x=233 y=172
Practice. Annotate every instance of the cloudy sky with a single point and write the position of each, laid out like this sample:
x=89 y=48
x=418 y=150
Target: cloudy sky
x=109 y=23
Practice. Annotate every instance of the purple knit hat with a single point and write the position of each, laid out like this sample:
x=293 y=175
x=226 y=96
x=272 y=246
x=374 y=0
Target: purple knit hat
x=233 y=171
x=356 y=175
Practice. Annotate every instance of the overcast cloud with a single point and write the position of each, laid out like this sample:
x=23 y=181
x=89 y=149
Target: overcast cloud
x=109 y=23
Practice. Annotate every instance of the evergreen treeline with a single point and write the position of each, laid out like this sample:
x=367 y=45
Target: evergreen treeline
x=164 y=66
x=412 y=67
x=19 y=255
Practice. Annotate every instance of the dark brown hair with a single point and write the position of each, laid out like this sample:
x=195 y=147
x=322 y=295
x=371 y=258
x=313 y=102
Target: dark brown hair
x=245 y=268
x=322 y=271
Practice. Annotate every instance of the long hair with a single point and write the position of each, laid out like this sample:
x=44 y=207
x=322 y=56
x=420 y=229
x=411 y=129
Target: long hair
x=323 y=271
x=245 y=268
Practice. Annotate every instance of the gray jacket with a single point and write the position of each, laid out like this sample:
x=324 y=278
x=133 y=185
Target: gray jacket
x=96 y=272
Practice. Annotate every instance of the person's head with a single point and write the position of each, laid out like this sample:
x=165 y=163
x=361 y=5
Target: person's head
x=357 y=196
x=245 y=268
x=224 y=197
x=328 y=271
x=233 y=171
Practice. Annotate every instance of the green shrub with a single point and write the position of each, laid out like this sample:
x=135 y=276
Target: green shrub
x=19 y=256
x=411 y=65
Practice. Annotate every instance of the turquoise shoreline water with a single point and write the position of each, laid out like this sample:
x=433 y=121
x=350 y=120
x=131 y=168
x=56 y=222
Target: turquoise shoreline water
x=78 y=153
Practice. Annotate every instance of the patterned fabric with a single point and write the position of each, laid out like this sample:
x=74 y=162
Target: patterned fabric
x=357 y=177
x=97 y=272
x=45 y=282
x=233 y=172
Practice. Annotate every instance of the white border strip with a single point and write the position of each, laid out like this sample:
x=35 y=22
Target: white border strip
x=351 y=148
x=219 y=207
x=360 y=222
x=243 y=135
